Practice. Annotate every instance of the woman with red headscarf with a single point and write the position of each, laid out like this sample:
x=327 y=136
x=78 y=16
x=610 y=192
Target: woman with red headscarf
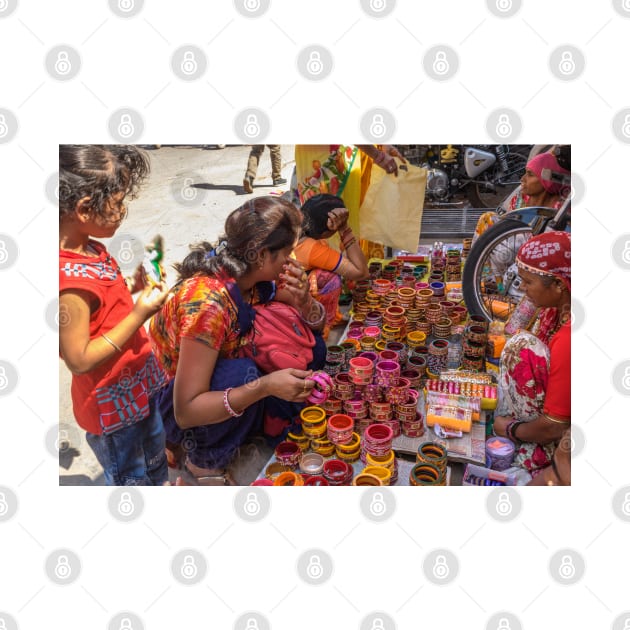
x=534 y=407
x=538 y=189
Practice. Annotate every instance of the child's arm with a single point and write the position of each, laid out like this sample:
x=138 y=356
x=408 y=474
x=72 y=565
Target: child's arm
x=82 y=354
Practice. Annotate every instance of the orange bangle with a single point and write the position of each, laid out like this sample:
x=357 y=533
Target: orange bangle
x=365 y=479
x=289 y=478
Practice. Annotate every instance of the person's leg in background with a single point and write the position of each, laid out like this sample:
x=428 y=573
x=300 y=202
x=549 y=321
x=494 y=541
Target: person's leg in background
x=276 y=165
x=252 y=167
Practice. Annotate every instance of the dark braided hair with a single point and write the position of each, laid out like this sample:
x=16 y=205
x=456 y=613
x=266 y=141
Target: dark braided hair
x=98 y=172
x=269 y=223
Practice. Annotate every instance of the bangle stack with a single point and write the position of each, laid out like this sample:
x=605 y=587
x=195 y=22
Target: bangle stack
x=228 y=407
x=510 y=430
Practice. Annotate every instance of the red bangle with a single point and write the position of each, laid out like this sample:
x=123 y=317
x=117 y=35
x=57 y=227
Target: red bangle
x=228 y=407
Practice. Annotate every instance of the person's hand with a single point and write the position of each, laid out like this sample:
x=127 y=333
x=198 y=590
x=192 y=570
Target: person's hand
x=500 y=424
x=294 y=281
x=290 y=384
x=394 y=152
x=150 y=300
x=337 y=219
x=387 y=162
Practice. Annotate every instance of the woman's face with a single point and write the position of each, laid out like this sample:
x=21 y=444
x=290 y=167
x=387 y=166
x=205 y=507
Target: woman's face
x=530 y=184
x=274 y=263
x=541 y=295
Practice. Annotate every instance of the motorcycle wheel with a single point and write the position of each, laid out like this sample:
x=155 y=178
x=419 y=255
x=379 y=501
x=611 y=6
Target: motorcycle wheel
x=481 y=195
x=490 y=257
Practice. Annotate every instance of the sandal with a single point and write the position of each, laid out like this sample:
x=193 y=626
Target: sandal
x=208 y=476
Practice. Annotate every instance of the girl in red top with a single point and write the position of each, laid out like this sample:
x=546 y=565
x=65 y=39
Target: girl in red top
x=116 y=378
x=535 y=382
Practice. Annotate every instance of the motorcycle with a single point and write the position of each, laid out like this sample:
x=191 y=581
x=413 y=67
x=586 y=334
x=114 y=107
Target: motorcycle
x=490 y=281
x=484 y=173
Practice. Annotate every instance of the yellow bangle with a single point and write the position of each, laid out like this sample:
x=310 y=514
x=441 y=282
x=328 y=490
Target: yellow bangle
x=380 y=460
x=352 y=446
x=312 y=415
x=384 y=474
x=365 y=479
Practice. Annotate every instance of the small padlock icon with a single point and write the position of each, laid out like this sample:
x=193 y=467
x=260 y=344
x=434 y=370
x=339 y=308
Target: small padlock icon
x=62 y=65
x=378 y=5
x=3 y=5
x=314 y=569
x=625 y=5
x=567 y=64
x=125 y=253
x=125 y=624
x=4 y=129
x=504 y=5
x=378 y=128
x=440 y=63
x=125 y=126
x=252 y=128
x=126 y=5
x=625 y=255
x=189 y=443
x=252 y=624
x=4 y=506
x=504 y=506
x=125 y=505
x=504 y=624
x=252 y=505
x=189 y=63
x=377 y=505
x=62 y=568
x=252 y=5
x=567 y=568
x=3 y=624
x=626 y=625
x=189 y=568
x=125 y=378
x=504 y=127
x=188 y=192
x=63 y=441
x=314 y=64
x=625 y=506
x=626 y=378
x=440 y=568
x=625 y=129
x=4 y=381
x=377 y=624
x=4 y=254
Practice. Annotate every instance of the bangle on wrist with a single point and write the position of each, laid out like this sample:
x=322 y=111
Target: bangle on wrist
x=314 y=320
x=228 y=407
x=111 y=343
x=510 y=430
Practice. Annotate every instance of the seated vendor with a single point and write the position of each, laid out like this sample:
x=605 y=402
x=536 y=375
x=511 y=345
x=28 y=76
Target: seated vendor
x=534 y=407
x=323 y=216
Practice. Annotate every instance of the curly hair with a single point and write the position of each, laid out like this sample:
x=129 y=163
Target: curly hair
x=98 y=172
x=270 y=223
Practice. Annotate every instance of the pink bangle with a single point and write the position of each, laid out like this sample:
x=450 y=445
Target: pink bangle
x=228 y=407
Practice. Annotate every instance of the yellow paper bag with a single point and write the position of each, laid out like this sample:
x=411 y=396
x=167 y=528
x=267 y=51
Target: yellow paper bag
x=391 y=212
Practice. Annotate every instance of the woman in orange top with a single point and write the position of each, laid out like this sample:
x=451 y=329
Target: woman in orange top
x=323 y=216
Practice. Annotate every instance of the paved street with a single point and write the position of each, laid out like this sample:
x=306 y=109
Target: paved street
x=186 y=199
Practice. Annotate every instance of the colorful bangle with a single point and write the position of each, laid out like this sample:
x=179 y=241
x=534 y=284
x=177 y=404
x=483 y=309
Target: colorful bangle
x=289 y=478
x=228 y=407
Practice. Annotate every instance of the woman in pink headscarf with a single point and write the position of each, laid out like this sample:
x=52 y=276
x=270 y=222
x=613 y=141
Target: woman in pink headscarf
x=534 y=407
x=538 y=189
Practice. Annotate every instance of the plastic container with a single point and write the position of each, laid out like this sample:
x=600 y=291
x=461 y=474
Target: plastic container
x=499 y=453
